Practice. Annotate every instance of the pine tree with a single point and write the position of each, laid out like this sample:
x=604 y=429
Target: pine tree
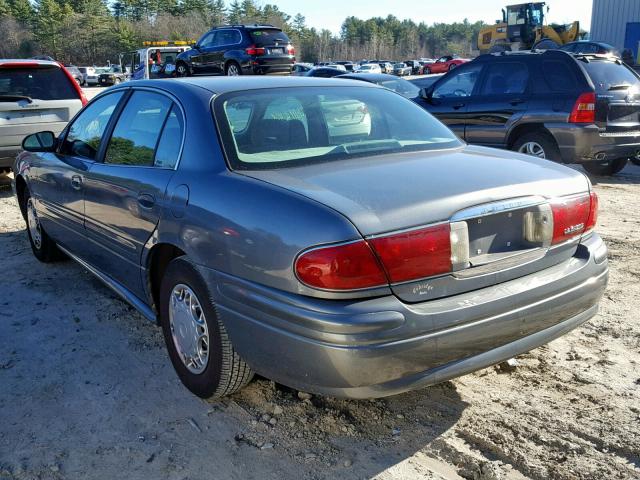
x=50 y=21
x=217 y=12
x=5 y=10
x=235 y=12
x=21 y=10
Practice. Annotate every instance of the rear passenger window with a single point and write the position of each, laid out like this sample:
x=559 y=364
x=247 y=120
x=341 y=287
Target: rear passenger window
x=170 y=142
x=136 y=134
x=558 y=76
x=506 y=78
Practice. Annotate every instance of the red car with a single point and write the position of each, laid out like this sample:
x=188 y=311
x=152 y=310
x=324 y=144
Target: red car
x=444 y=64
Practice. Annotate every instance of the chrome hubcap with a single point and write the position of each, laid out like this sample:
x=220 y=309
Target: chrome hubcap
x=232 y=71
x=532 y=148
x=189 y=328
x=182 y=70
x=34 y=224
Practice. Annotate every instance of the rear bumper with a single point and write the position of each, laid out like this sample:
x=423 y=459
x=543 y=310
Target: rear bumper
x=382 y=346
x=585 y=143
x=270 y=65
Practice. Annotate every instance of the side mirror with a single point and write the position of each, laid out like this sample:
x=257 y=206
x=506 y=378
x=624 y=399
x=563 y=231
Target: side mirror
x=426 y=93
x=39 y=142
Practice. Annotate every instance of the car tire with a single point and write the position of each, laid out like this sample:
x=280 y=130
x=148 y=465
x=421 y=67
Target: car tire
x=187 y=311
x=43 y=247
x=538 y=144
x=182 y=70
x=232 y=69
x=452 y=66
x=426 y=71
x=607 y=168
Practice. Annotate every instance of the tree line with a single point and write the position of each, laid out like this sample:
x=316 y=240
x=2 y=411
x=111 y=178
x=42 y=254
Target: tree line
x=87 y=32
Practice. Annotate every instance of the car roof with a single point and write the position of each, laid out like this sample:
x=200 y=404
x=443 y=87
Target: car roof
x=369 y=77
x=28 y=61
x=220 y=85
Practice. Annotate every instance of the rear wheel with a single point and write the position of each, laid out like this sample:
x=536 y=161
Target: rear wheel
x=43 y=247
x=452 y=66
x=233 y=70
x=196 y=339
x=606 y=168
x=182 y=70
x=538 y=144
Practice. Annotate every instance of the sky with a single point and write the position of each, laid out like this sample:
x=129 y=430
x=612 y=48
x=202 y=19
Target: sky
x=331 y=13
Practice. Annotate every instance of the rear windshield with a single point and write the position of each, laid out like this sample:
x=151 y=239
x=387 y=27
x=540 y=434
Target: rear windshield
x=48 y=83
x=268 y=36
x=606 y=74
x=284 y=127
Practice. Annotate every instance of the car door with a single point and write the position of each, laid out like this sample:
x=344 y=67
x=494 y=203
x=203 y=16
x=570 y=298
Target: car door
x=225 y=41
x=449 y=96
x=125 y=193
x=201 y=60
x=501 y=101
x=60 y=176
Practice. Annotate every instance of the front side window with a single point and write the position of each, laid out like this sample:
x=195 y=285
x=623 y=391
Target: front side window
x=84 y=135
x=460 y=84
x=207 y=40
x=138 y=129
x=275 y=128
x=508 y=78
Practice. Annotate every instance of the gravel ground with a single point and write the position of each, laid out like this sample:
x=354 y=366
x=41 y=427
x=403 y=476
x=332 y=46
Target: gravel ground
x=87 y=391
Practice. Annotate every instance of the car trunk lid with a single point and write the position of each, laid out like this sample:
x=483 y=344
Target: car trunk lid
x=617 y=90
x=491 y=191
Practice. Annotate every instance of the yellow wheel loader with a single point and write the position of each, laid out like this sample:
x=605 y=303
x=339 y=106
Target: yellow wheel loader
x=523 y=28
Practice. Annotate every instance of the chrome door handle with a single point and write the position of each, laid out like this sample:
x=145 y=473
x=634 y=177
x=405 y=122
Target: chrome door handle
x=76 y=182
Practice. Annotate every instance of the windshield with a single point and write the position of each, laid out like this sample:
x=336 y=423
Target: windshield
x=404 y=88
x=268 y=36
x=283 y=127
x=607 y=75
x=43 y=83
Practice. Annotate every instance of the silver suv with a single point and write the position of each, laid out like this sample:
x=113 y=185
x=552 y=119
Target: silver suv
x=35 y=95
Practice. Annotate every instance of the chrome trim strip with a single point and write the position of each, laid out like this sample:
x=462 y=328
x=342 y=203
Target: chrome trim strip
x=122 y=291
x=492 y=208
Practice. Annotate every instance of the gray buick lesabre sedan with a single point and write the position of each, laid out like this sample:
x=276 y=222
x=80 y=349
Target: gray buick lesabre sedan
x=332 y=236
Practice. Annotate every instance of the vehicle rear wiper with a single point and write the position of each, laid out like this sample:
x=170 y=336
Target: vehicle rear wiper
x=14 y=98
x=620 y=86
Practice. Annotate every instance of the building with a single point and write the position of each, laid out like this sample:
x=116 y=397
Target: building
x=617 y=22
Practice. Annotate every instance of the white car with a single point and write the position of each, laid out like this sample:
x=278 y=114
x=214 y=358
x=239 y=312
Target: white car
x=369 y=68
x=93 y=75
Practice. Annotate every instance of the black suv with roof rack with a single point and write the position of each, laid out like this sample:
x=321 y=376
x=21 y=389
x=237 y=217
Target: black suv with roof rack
x=238 y=50
x=572 y=108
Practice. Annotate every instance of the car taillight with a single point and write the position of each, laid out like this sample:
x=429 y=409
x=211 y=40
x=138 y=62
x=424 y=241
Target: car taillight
x=343 y=267
x=253 y=50
x=291 y=50
x=584 y=110
x=593 y=212
x=75 y=84
x=394 y=258
x=415 y=254
x=571 y=216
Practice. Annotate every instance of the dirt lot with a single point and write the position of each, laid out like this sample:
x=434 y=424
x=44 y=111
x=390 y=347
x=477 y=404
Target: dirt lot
x=87 y=392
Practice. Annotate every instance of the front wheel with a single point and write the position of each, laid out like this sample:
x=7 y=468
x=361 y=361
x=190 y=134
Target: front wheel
x=427 y=71
x=196 y=338
x=452 y=66
x=606 y=168
x=538 y=144
x=182 y=70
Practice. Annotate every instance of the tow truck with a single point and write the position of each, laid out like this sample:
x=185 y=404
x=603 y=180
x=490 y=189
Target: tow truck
x=157 y=59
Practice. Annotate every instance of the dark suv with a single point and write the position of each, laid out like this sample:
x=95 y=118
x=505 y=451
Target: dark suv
x=238 y=50
x=572 y=108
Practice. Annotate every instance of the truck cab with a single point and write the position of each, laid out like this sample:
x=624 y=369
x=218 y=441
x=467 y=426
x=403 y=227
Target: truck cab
x=155 y=60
